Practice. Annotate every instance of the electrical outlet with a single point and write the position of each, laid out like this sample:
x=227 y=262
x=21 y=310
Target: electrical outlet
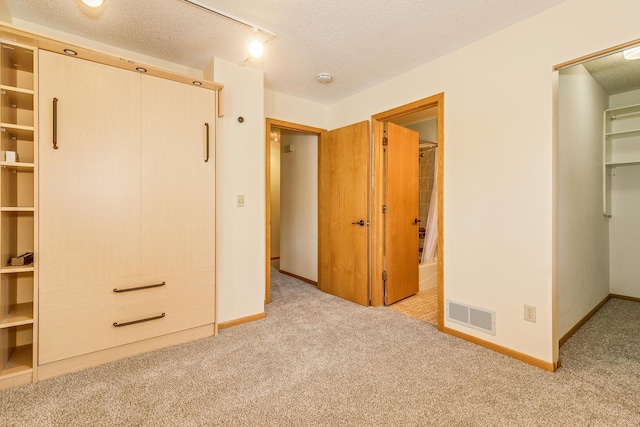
x=530 y=313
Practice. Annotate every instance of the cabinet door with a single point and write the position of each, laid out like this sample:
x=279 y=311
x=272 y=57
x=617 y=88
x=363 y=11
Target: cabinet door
x=178 y=186
x=90 y=185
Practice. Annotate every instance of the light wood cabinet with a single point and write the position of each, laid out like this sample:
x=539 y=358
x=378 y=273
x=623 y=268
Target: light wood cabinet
x=18 y=213
x=127 y=201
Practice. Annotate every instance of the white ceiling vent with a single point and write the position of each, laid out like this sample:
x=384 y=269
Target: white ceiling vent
x=473 y=317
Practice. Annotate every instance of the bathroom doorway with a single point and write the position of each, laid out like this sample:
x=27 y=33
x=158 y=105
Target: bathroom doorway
x=426 y=117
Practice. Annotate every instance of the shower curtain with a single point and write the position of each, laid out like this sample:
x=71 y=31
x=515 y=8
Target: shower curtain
x=431 y=238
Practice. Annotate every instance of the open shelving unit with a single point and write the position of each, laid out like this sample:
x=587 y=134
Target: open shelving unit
x=620 y=145
x=18 y=213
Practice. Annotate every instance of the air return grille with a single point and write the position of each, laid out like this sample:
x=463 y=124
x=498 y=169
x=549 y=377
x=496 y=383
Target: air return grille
x=473 y=317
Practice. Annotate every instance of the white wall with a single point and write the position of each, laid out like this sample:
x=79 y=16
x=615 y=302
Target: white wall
x=499 y=159
x=299 y=205
x=240 y=152
x=624 y=229
x=583 y=229
x=275 y=198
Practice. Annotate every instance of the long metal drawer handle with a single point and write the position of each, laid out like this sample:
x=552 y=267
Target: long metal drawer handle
x=55 y=123
x=206 y=147
x=139 y=288
x=133 y=322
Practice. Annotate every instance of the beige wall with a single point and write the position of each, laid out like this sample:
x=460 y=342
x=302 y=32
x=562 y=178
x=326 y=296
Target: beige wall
x=240 y=152
x=299 y=205
x=583 y=230
x=291 y=109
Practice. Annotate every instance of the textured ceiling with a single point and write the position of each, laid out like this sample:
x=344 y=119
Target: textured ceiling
x=614 y=73
x=360 y=42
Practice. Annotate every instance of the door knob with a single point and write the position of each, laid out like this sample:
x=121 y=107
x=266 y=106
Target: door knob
x=360 y=223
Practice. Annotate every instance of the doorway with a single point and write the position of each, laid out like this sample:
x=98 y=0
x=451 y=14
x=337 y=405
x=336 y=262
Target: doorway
x=598 y=170
x=297 y=214
x=431 y=108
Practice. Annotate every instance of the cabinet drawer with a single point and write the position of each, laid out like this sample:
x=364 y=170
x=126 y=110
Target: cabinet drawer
x=68 y=329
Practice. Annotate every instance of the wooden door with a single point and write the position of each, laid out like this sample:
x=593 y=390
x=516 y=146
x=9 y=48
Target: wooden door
x=89 y=188
x=401 y=218
x=178 y=185
x=343 y=213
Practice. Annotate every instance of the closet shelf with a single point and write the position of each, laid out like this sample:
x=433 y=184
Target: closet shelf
x=627 y=163
x=19 y=314
x=632 y=132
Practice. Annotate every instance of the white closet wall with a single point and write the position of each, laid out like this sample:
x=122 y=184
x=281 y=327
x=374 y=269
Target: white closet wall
x=583 y=237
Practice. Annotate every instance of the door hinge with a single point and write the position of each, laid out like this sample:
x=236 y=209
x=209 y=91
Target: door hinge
x=384 y=209
x=385 y=141
x=384 y=276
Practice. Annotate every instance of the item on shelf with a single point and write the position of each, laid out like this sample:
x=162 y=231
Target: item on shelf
x=24 y=259
x=9 y=156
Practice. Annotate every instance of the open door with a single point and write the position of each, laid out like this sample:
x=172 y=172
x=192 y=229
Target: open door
x=401 y=223
x=343 y=213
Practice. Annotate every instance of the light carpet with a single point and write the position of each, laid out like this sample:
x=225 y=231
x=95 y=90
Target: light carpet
x=317 y=360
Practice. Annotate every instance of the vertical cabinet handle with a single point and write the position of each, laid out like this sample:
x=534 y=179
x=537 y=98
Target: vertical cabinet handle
x=206 y=143
x=55 y=123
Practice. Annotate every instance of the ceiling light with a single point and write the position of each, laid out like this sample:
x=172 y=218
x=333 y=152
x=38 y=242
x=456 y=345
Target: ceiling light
x=324 y=77
x=633 y=53
x=70 y=52
x=141 y=69
x=197 y=83
x=93 y=3
x=256 y=48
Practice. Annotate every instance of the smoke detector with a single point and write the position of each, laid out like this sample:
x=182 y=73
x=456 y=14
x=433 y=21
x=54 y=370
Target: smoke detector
x=324 y=77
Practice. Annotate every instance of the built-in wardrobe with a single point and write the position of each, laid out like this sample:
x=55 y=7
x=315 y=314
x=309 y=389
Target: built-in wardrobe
x=108 y=179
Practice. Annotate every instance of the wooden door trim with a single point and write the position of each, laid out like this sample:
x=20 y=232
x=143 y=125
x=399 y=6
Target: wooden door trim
x=287 y=126
x=377 y=197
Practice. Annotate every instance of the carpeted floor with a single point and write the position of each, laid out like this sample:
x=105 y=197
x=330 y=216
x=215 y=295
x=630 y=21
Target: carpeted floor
x=317 y=360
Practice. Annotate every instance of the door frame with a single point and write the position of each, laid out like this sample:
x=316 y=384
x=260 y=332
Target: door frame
x=286 y=126
x=377 y=197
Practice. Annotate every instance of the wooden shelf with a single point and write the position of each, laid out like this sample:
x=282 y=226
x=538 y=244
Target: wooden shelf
x=24 y=133
x=20 y=361
x=18 y=57
x=17 y=209
x=11 y=269
x=16 y=89
x=19 y=314
x=21 y=98
x=21 y=166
